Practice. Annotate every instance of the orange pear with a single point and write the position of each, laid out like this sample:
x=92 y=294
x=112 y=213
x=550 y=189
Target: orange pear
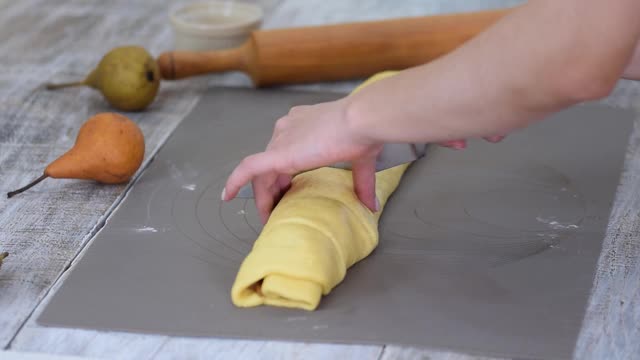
x=109 y=149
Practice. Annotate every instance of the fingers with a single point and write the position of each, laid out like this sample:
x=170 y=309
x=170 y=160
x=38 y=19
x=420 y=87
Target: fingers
x=462 y=144
x=454 y=144
x=268 y=184
x=284 y=183
x=364 y=182
x=268 y=190
x=248 y=169
x=495 y=138
x=264 y=195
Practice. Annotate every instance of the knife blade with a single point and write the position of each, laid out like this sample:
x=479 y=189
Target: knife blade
x=391 y=155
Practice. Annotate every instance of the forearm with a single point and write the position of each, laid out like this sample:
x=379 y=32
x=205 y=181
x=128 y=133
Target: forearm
x=544 y=56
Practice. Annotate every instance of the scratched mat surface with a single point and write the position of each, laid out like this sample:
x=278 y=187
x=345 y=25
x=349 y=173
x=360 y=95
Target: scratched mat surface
x=490 y=251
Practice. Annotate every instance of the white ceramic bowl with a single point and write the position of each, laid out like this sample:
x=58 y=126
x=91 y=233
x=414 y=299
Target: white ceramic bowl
x=214 y=25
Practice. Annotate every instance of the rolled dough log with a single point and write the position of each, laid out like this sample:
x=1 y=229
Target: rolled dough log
x=316 y=232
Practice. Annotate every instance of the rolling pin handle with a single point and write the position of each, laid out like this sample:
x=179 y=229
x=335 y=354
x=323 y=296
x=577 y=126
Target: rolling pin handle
x=175 y=65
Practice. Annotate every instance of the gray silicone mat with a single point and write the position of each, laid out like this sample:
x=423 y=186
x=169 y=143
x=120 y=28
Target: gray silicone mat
x=491 y=250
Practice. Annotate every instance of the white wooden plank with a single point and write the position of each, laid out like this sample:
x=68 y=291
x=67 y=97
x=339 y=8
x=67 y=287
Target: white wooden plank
x=112 y=345
x=45 y=229
x=320 y=12
x=408 y=353
x=610 y=329
x=234 y=349
x=43 y=41
x=18 y=355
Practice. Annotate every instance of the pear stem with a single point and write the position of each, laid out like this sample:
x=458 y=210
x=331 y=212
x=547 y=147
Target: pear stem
x=27 y=187
x=51 y=86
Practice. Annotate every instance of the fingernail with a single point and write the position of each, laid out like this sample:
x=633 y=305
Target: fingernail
x=224 y=194
x=377 y=204
x=494 y=139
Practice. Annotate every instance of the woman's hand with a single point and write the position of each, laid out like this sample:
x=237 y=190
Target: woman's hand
x=462 y=144
x=309 y=137
x=513 y=74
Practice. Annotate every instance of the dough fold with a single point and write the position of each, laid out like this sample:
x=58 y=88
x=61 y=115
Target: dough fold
x=316 y=232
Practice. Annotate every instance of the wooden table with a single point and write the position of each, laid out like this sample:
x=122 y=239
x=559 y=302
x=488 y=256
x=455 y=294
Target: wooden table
x=47 y=228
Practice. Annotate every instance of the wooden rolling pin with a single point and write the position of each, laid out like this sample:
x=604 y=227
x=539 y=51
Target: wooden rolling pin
x=333 y=52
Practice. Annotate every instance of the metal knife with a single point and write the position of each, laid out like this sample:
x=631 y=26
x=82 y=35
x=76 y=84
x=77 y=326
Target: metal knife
x=391 y=155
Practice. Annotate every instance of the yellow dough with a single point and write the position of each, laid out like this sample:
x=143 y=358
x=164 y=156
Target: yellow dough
x=318 y=230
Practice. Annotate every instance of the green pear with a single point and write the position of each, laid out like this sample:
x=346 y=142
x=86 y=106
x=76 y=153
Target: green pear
x=127 y=76
x=2 y=256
